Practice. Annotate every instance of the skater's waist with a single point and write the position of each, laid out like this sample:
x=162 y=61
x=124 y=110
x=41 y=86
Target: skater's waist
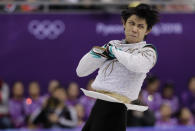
x=117 y=96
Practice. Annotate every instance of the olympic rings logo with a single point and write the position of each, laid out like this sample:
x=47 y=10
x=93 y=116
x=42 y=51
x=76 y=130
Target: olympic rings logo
x=46 y=29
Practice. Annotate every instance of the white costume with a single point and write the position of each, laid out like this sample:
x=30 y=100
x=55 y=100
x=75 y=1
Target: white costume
x=123 y=75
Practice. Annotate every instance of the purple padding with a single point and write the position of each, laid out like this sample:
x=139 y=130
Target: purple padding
x=49 y=46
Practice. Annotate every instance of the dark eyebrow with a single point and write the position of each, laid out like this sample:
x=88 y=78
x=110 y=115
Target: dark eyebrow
x=141 y=24
x=130 y=21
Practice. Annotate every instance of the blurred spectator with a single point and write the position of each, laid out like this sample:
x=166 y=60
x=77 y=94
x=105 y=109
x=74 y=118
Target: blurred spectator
x=86 y=101
x=150 y=95
x=165 y=116
x=73 y=94
x=4 y=100
x=55 y=113
x=136 y=118
x=33 y=5
x=179 y=6
x=185 y=117
x=10 y=7
x=80 y=114
x=169 y=97
x=16 y=105
x=68 y=1
x=34 y=101
x=53 y=84
x=30 y=7
x=188 y=97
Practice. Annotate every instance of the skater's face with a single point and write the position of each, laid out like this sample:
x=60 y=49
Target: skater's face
x=135 y=29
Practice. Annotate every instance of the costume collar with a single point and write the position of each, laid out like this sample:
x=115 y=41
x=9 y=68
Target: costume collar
x=124 y=44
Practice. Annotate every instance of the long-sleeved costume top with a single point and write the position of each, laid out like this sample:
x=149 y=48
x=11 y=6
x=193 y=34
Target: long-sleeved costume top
x=123 y=75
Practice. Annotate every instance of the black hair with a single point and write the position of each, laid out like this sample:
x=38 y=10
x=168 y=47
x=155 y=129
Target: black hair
x=147 y=12
x=169 y=85
x=151 y=79
x=59 y=87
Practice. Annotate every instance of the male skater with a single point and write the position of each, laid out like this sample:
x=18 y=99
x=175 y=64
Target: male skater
x=123 y=65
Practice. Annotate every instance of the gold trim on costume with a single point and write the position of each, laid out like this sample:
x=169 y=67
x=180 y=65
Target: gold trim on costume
x=119 y=97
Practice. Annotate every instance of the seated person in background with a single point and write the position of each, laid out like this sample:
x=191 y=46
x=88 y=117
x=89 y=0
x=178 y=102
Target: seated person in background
x=185 y=117
x=55 y=113
x=136 y=118
x=165 y=116
x=73 y=94
x=169 y=97
x=80 y=114
x=16 y=105
x=188 y=97
x=179 y=6
x=34 y=101
x=30 y=7
x=86 y=101
x=5 y=122
x=51 y=86
x=150 y=95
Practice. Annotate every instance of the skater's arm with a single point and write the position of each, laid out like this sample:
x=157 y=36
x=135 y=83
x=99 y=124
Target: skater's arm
x=89 y=63
x=140 y=62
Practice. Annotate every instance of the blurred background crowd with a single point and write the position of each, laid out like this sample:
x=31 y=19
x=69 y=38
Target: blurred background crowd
x=96 y=5
x=25 y=104
x=64 y=106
